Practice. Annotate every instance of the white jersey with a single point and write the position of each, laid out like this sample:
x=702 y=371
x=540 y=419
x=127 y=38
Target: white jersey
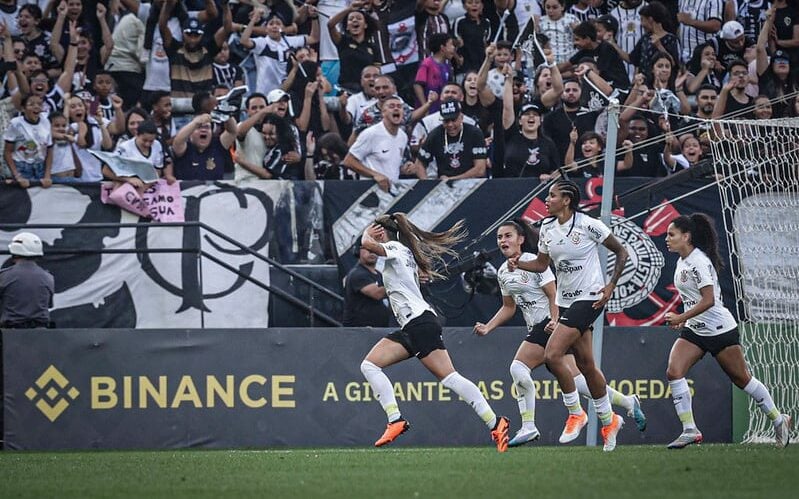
x=381 y=151
x=157 y=72
x=402 y=283
x=356 y=104
x=630 y=31
x=690 y=276
x=271 y=60
x=526 y=289
x=561 y=37
x=573 y=247
x=701 y=10
x=129 y=149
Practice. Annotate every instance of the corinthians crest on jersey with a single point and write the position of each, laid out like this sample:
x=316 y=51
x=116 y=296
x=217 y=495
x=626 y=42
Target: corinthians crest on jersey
x=525 y=289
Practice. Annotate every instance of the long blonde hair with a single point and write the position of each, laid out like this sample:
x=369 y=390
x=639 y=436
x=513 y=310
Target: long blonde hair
x=428 y=248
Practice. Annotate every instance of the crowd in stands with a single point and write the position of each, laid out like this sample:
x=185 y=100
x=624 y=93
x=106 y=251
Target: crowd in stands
x=383 y=89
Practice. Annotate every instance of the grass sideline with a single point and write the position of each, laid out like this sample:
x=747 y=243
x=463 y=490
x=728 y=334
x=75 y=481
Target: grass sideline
x=706 y=471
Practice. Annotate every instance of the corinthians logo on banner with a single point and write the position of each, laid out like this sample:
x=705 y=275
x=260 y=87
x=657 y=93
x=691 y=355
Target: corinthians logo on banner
x=52 y=393
x=642 y=270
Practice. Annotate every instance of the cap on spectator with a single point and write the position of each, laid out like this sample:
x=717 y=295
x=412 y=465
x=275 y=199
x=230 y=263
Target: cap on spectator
x=450 y=110
x=731 y=30
x=278 y=95
x=193 y=26
x=780 y=56
x=278 y=15
x=530 y=106
x=609 y=22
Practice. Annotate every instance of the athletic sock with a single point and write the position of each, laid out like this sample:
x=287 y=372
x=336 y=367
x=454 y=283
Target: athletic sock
x=603 y=410
x=681 y=394
x=762 y=398
x=582 y=386
x=572 y=403
x=620 y=400
x=525 y=390
x=382 y=388
x=469 y=392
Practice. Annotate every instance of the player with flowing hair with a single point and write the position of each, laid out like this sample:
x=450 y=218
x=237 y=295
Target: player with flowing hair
x=571 y=239
x=707 y=326
x=409 y=252
x=534 y=293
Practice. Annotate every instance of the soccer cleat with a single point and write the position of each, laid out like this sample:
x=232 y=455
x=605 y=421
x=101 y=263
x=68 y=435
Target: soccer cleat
x=574 y=425
x=610 y=431
x=686 y=438
x=782 y=432
x=500 y=433
x=393 y=430
x=637 y=414
x=523 y=436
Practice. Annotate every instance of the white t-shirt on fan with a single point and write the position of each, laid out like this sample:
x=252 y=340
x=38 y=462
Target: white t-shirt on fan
x=380 y=150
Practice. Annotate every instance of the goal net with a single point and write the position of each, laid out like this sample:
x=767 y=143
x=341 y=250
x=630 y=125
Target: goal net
x=757 y=163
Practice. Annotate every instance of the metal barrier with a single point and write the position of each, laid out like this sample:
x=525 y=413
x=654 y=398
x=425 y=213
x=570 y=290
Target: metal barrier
x=280 y=293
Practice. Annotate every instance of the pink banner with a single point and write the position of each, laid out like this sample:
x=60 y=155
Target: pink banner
x=161 y=201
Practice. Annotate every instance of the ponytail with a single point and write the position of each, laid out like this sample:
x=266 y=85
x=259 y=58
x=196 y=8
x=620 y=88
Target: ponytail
x=703 y=235
x=427 y=247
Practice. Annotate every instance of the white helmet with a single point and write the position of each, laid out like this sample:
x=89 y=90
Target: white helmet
x=26 y=244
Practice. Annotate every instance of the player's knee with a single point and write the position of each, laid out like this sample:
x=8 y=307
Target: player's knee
x=672 y=373
x=368 y=367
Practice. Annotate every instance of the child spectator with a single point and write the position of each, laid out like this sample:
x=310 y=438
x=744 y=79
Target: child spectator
x=473 y=32
x=91 y=135
x=351 y=31
x=435 y=71
x=65 y=163
x=558 y=26
x=29 y=144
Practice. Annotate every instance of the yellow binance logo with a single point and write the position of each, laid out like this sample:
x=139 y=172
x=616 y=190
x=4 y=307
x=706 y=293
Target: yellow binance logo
x=51 y=390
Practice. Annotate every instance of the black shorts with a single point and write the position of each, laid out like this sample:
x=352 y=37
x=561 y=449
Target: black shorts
x=421 y=336
x=580 y=315
x=538 y=335
x=713 y=344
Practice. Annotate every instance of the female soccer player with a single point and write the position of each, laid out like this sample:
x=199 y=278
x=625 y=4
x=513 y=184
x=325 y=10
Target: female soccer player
x=535 y=295
x=409 y=251
x=571 y=240
x=707 y=326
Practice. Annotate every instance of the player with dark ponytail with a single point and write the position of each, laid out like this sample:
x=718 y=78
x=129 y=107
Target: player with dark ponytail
x=707 y=326
x=571 y=240
x=410 y=251
x=534 y=293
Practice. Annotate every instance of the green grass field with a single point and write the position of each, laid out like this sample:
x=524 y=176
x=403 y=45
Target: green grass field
x=707 y=471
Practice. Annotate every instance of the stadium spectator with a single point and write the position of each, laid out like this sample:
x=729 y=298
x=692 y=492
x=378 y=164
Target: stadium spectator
x=629 y=29
x=351 y=31
x=436 y=70
x=732 y=100
x=641 y=157
x=450 y=92
x=589 y=160
x=91 y=134
x=356 y=103
x=699 y=21
x=731 y=43
x=528 y=151
x=786 y=32
x=26 y=289
x=430 y=21
x=250 y=146
x=704 y=69
x=28 y=144
x=472 y=32
x=385 y=88
x=279 y=141
x=380 y=151
x=331 y=151
x=272 y=51
x=200 y=155
x=65 y=163
x=568 y=115
x=558 y=27
x=145 y=146
x=775 y=78
x=705 y=326
x=654 y=19
x=364 y=293
x=125 y=60
x=459 y=149
x=605 y=57
x=690 y=152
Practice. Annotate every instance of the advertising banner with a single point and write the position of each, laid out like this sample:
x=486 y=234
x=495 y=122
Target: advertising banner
x=126 y=389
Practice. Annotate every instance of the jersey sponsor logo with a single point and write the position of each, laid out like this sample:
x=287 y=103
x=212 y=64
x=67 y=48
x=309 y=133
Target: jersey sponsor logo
x=572 y=294
x=594 y=231
x=642 y=271
x=566 y=267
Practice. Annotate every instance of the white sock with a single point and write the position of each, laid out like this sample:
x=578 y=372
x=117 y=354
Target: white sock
x=526 y=392
x=582 y=386
x=469 y=392
x=572 y=403
x=603 y=410
x=681 y=394
x=381 y=386
x=762 y=398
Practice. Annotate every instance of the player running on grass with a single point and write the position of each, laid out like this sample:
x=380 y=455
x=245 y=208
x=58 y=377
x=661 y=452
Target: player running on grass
x=707 y=326
x=571 y=240
x=409 y=251
x=534 y=293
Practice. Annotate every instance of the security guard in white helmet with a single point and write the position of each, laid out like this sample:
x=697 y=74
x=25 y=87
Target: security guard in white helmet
x=26 y=289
